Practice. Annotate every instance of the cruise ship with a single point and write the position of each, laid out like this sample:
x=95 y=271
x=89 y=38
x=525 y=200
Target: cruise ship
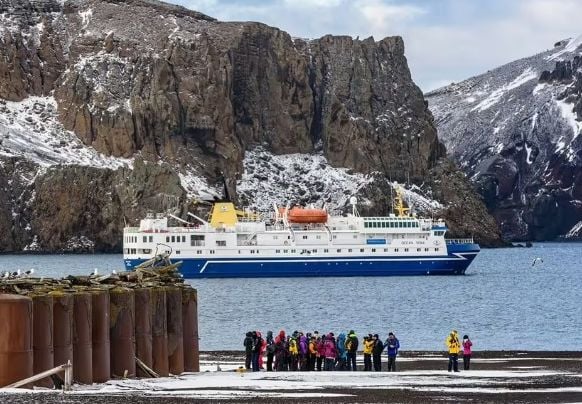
x=297 y=241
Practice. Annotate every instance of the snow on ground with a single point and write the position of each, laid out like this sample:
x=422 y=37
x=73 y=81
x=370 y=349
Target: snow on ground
x=222 y=385
x=296 y=179
x=30 y=129
x=572 y=45
x=527 y=75
x=575 y=231
x=414 y=198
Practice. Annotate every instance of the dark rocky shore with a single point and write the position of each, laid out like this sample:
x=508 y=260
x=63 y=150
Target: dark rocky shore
x=517 y=377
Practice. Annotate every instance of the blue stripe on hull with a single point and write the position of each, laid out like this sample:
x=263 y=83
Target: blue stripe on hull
x=453 y=264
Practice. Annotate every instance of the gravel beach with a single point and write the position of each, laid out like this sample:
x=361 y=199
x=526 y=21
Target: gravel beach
x=519 y=377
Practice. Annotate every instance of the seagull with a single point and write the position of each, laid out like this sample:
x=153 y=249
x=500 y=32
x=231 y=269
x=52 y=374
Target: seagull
x=114 y=272
x=95 y=272
x=536 y=260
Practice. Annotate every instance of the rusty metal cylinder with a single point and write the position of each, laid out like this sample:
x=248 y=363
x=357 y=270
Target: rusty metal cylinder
x=122 y=332
x=160 y=359
x=190 y=332
x=16 y=338
x=143 y=329
x=62 y=327
x=101 y=360
x=82 y=338
x=42 y=314
x=175 y=330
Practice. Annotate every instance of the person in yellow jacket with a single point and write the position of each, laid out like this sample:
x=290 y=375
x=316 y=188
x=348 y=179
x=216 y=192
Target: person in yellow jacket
x=454 y=346
x=368 y=346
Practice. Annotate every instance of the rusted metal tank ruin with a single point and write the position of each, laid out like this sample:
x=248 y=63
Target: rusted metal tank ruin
x=101 y=361
x=143 y=329
x=16 y=354
x=82 y=338
x=190 y=332
x=175 y=330
x=160 y=357
x=42 y=315
x=122 y=331
x=62 y=327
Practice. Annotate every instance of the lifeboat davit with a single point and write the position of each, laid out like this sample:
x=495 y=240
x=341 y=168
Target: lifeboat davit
x=304 y=215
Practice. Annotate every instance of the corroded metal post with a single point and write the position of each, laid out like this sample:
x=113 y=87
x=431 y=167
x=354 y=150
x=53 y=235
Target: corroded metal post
x=190 y=321
x=175 y=330
x=62 y=327
x=16 y=354
x=82 y=338
x=100 y=335
x=143 y=329
x=159 y=331
x=42 y=314
x=122 y=332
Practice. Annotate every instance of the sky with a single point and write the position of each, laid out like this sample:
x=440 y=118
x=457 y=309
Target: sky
x=446 y=40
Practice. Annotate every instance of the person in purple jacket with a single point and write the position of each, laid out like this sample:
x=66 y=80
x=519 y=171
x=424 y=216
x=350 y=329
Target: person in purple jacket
x=393 y=345
x=303 y=348
x=330 y=352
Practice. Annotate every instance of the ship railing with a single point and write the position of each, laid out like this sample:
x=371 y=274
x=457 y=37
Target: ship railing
x=459 y=241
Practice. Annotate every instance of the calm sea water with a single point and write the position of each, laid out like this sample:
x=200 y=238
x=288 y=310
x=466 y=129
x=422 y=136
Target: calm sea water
x=502 y=303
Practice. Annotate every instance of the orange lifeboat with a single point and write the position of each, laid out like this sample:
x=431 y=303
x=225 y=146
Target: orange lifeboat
x=304 y=216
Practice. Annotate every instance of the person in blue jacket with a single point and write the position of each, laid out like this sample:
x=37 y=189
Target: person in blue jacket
x=342 y=353
x=393 y=345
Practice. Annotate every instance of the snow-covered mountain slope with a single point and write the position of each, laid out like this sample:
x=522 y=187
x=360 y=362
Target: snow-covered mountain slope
x=515 y=132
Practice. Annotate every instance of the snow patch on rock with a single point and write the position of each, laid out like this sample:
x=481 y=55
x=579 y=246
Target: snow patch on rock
x=197 y=187
x=296 y=179
x=30 y=129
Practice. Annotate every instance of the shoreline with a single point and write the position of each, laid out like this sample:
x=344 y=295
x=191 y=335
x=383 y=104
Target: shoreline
x=496 y=376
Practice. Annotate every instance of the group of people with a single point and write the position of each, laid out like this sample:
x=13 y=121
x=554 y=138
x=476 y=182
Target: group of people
x=312 y=351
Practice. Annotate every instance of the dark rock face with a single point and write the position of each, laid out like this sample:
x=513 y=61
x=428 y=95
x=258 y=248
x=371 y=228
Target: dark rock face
x=515 y=133
x=143 y=78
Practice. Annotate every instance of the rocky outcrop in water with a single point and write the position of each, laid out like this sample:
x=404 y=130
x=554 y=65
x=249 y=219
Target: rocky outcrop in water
x=515 y=132
x=94 y=86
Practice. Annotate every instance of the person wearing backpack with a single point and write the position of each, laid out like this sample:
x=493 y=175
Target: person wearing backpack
x=303 y=351
x=352 y=349
x=248 y=344
x=312 y=353
x=454 y=347
x=342 y=354
x=257 y=346
x=270 y=350
x=368 y=346
x=393 y=346
x=320 y=352
x=377 y=352
x=293 y=352
x=330 y=352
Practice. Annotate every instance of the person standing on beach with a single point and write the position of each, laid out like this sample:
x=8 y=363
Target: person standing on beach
x=248 y=344
x=352 y=348
x=342 y=355
x=368 y=347
x=312 y=353
x=303 y=351
x=270 y=350
x=281 y=352
x=377 y=353
x=257 y=346
x=320 y=353
x=330 y=352
x=393 y=346
x=454 y=347
x=294 y=352
x=467 y=344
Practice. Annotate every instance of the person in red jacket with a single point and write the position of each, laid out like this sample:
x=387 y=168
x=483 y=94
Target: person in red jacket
x=467 y=344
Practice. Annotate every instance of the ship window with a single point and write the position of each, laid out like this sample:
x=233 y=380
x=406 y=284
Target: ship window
x=325 y=250
x=277 y=251
x=355 y=236
x=315 y=250
x=335 y=236
x=151 y=239
x=285 y=251
x=167 y=239
x=173 y=239
x=293 y=251
x=396 y=250
x=385 y=250
x=426 y=249
x=183 y=239
x=406 y=250
x=366 y=225
x=361 y=250
x=196 y=240
x=221 y=243
x=304 y=237
x=211 y=251
x=275 y=237
x=198 y=251
x=177 y=252
x=436 y=249
x=373 y=250
x=349 y=250
x=339 y=250
x=318 y=237
x=419 y=249
x=145 y=239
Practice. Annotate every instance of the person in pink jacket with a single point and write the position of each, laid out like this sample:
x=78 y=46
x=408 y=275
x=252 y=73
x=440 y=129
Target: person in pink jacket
x=467 y=344
x=330 y=352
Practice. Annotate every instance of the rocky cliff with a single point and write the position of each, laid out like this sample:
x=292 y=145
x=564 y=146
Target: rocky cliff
x=515 y=132
x=96 y=94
